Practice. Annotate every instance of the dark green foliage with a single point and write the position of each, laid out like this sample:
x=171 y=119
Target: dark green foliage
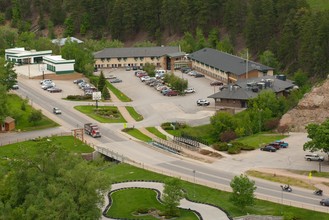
x=234 y=149
x=35 y=116
x=78 y=97
x=227 y=136
x=220 y=146
x=318 y=133
x=106 y=93
x=101 y=82
x=150 y=69
x=176 y=82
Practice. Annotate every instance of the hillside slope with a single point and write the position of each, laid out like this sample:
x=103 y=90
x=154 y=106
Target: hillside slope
x=313 y=108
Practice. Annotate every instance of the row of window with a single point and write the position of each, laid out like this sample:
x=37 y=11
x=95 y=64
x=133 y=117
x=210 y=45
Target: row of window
x=118 y=65
x=125 y=59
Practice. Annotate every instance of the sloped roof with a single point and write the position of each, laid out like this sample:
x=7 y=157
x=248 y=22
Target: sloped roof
x=241 y=91
x=62 y=41
x=8 y=120
x=135 y=52
x=226 y=62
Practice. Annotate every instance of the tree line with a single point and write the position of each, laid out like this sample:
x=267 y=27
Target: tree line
x=296 y=35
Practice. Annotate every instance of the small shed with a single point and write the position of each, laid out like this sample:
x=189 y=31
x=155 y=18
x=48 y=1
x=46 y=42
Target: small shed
x=8 y=124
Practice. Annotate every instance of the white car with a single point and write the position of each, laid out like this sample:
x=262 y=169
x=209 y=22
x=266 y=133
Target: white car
x=192 y=73
x=202 y=102
x=57 y=111
x=189 y=90
x=45 y=81
x=46 y=86
x=143 y=78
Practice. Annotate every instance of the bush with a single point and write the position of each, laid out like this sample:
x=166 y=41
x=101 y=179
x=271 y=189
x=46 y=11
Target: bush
x=220 y=146
x=227 y=136
x=272 y=124
x=234 y=150
x=78 y=97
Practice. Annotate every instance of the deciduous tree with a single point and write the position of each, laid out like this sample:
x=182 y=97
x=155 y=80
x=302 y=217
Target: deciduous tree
x=243 y=191
x=319 y=135
x=172 y=194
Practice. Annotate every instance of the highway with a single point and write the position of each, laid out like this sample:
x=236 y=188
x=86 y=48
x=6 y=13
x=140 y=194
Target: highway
x=217 y=175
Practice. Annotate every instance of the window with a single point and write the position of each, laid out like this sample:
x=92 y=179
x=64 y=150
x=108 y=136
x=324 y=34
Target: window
x=119 y=59
x=108 y=59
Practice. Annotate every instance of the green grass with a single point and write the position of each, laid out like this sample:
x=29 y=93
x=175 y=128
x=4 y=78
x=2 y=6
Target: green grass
x=318 y=5
x=68 y=142
x=259 y=139
x=134 y=114
x=137 y=134
x=140 y=199
x=124 y=172
x=156 y=132
x=111 y=111
x=121 y=96
x=21 y=117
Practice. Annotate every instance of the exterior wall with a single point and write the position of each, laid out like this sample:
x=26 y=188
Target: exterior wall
x=210 y=71
x=104 y=63
x=229 y=103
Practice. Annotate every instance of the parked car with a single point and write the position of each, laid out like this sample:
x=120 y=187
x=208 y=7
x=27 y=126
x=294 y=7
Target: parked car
x=128 y=68
x=57 y=111
x=192 y=73
x=189 y=90
x=46 y=81
x=216 y=83
x=314 y=157
x=171 y=93
x=115 y=80
x=185 y=69
x=54 y=90
x=199 y=75
x=202 y=102
x=275 y=145
x=164 y=91
x=15 y=87
x=282 y=143
x=268 y=148
x=48 y=85
x=324 y=202
x=77 y=81
x=141 y=74
x=110 y=77
x=134 y=67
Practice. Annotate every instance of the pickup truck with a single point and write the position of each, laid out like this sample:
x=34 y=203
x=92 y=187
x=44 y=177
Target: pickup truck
x=314 y=157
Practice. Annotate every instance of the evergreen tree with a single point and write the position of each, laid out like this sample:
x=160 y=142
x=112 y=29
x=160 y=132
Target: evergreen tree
x=106 y=94
x=101 y=82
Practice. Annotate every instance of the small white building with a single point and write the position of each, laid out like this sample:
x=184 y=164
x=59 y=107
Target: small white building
x=58 y=65
x=21 y=56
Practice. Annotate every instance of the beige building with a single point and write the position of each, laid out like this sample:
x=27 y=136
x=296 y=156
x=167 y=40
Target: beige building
x=226 y=67
x=161 y=57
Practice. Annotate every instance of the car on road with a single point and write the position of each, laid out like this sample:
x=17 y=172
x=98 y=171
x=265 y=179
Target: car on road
x=314 y=157
x=54 y=90
x=202 y=102
x=324 y=202
x=189 y=90
x=57 y=111
x=216 y=83
x=268 y=148
x=115 y=80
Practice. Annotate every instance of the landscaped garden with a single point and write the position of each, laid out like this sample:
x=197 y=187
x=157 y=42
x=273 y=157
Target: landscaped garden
x=103 y=114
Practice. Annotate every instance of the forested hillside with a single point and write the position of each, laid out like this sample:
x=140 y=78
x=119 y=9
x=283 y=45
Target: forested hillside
x=288 y=30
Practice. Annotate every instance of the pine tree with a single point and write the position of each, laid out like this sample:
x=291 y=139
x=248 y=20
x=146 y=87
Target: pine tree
x=101 y=82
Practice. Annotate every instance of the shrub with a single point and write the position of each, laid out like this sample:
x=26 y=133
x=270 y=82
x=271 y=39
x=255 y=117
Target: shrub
x=78 y=97
x=283 y=129
x=234 y=150
x=220 y=146
x=227 y=136
x=272 y=124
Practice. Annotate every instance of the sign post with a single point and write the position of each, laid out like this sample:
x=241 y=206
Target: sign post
x=96 y=97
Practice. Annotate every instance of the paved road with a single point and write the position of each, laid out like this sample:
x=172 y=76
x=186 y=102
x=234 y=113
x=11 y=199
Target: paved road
x=157 y=109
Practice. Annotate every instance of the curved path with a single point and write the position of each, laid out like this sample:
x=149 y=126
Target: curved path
x=207 y=212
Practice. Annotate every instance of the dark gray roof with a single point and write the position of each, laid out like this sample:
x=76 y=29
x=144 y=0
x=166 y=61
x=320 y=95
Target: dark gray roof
x=226 y=62
x=241 y=90
x=135 y=52
x=177 y=54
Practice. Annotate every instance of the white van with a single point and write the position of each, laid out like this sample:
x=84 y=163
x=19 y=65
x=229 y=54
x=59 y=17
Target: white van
x=159 y=73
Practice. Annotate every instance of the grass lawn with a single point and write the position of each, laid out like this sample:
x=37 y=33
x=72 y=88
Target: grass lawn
x=259 y=139
x=140 y=200
x=281 y=179
x=314 y=173
x=318 y=5
x=68 y=142
x=121 y=96
x=124 y=172
x=156 y=132
x=103 y=114
x=134 y=114
x=137 y=134
x=21 y=116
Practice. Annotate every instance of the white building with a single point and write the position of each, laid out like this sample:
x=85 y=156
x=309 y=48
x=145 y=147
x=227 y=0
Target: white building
x=58 y=65
x=21 y=56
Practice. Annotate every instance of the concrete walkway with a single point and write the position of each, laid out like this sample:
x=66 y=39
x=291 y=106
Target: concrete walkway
x=207 y=212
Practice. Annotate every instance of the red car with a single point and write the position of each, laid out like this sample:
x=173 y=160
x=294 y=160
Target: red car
x=171 y=93
x=275 y=145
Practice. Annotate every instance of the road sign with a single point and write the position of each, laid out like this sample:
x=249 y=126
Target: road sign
x=97 y=96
